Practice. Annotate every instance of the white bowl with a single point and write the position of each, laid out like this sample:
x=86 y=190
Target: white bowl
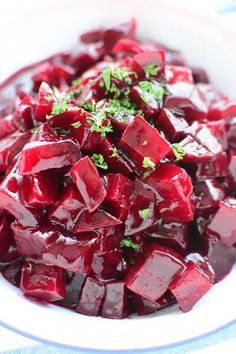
x=44 y=27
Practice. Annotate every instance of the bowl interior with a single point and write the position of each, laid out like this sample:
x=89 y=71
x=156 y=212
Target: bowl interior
x=46 y=27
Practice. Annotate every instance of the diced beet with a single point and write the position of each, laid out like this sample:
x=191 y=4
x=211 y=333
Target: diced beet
x=141 y=209
x=34 y=241
x=12 y=272
x=44 y=102
x=223 y=225
x=95 y=220
x=200 y=75
x=7 y=126
x=222 y=109
x=194 y=151
x=73 y=253
x=47 y=150
x=137 y=140
x=10 y=148
x=232 y=169
x=174 y=74
x=109 y=238
x=39 y=189
x=6 y=238
x=145 y=307
x=115 y=304
x=68 y=208
x=74 y=284
x=231 y=132
x=156 y=58
x=203 y=263
x=175 y=186
x=151 y=277
x=190 y=287
x=108 y=265
x=43 y=282
x=174 y=127
x=88 y=182
x=10 y=199
x=119 y=189
x=126 y=47
x=91 y=298
x=23 y=115
x=218 y=130
x=220 y=256
x=174 y=235
x=188 y=98
x=113 y=34
x=216 y=167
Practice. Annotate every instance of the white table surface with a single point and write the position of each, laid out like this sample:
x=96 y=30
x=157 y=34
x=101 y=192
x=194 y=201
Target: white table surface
x=223 y=341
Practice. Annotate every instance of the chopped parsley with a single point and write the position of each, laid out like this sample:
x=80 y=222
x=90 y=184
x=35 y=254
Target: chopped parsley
x=151 y=70
x=90 y=106
x=59 y=108
x=62 y=131
x=48 y=98
x=147 y=163
x=128 y=242
x=97 y=123
x=149 y=89
x=121 y=107
x=76 y=81
x=106 y=75
x=76 y=125
x=99 y=161
x=34 y=130
x=115 y=153
x=144 y=213
x=178 y=151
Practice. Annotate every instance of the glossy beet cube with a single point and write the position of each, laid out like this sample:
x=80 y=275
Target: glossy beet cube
x=222 y=109
x=203 y=263
x=10 y=148
x=195 y=152
x=12 y=272
x=156 y=58
x=109 y=238
x=216 y=167
x=127 y=47
x=43 y=282
x=44 y=102
x=10 y=199
x=223 y=225
x=231 y=132
x=174 y=127
x=91 y=298
x=151 y=277
x=113 y=34
x=218 y=130
x=6 y=238
x=138 y=141
x=40 y=189
x=119 y=189
x=108 y=265
x=86 y=177
x=74 y=283
x=47 y=150
x=23 y=115
x=73 y=253
x=190 y=286
x=7 y=126
x=200 y=75
x=115 y=304
x=175 y=187
x=187 y=98
x=141 y=209
x=95 y=220
x=174 y=74
x=34 y=241
x=145 y=307
x=68 y=208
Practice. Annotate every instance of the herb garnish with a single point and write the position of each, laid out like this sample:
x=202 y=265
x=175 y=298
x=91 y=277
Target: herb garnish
x=63 y=131
x=178 y=151
x=90 y=106
x=59 y=107
x=151 y=70
x=99 y=161
x=147 y=163
x=128 y=242
x=97 y=123
x=149 y=90
x=106 y=74
x=76 y=125
x=34 y=130
x=121 y=107
x=115 y=153
x=144 y=213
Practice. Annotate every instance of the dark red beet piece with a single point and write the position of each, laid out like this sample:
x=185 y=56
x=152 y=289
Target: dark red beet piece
x=68 y=208
x=216 y=167
x=44 y=103
x=151 y=277
x=88 y=182
x=174 y=74
x=190 y=287
x=108 y=265
x=43 y=282
x=47 y=150
x=115 y=304
x=34 y=241
x=95 y=220
x=23 y=115
x=74 y=284
x=109 y=238
x=7 y=126
x=222 y=109
x=200 y=75
x=12 y=272
x=137 y=140
x=119 y=189
x=6 y=238
x=156 y=58
x=203 y=263
x=145 y=307
x=141 y=209
x=175 y=186
x=91 y=298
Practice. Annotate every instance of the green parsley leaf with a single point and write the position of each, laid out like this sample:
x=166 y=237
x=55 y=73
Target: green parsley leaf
x=76 y=81
x=63 y=131
x=149 y=90
x=106 y=74
x=115 y=153
x=114 y=89
x=178 y=151
x=59 y=108
x=128 y=242
x=147 y=163
x=120 y=73
x=34 y=130
x=90 y=106
x=144 y=213
x=121 y=107
x=76 y=125
x=146 y=174
x=151 y=70
x=99 y=161
x=96 y=123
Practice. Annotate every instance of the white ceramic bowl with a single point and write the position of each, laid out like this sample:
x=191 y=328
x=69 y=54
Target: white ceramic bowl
x=47 y=26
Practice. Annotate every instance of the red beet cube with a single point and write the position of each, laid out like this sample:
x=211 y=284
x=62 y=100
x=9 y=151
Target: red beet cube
x=23 y=115
x=137 y=140
x=88 y=182
x=6 y=238
x=189 y=287
x=68 y=208
x=7 y=126
x=203 y=263
x=115 y=304
x=12 y=272
x=223 y=224
x=209 y=193
x=141 y=209
x=109 y=238
x=194 y=151
x=108 y=265
x=174 y=73
x=145 y=307
x=95 y=220
x=74 y=284
x=91 y=298
x=47 y=150
x=156 y=58
x=34 y=241
x=119 y=189
x=73 y=253
x=222 y=109
x=152 y=276
x=44 y=102
x=216 y=167
x=175 y=187
x=43 y=282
